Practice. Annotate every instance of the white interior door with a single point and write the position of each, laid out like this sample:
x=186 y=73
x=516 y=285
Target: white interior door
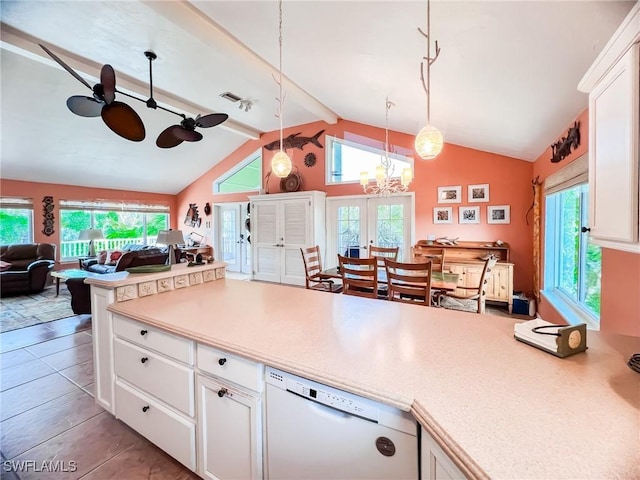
x=232 y=236
x=354 y=223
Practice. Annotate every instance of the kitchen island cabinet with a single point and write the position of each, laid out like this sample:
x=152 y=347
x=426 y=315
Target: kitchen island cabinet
x=496 y=407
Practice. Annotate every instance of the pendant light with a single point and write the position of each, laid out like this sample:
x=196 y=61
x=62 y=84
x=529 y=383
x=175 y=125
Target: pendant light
x=429 y=141
x=280 y=163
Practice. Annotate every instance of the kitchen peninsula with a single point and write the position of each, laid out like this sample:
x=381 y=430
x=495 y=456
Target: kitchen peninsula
x=498 y=408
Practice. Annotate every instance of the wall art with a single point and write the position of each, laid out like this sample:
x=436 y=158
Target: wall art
x=563 y=147
x=442 y=214
x=499 y=214
x=468 y=215
x=450 y=194
x=478 y=193
x=48 y=218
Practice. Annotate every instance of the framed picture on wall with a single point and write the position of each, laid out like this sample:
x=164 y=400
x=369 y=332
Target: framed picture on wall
x=450 y=194
x=478 y=193
x=499 y=214
x=469 y=215
x=443 y=215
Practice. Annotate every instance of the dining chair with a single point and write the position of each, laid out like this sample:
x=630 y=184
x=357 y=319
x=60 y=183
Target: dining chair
x=380 y=253
x=314 y=279
x=474 y=301
x=359 y=276
x=409 y=282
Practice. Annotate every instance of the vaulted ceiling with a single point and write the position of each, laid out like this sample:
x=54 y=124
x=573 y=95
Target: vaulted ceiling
x=505 y=81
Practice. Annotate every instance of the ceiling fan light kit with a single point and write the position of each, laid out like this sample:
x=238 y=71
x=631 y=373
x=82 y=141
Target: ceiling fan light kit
x=122 y=119
x=429 y=141
x=280 y=163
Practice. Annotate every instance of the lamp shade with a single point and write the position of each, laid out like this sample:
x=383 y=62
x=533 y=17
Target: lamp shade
x=170 y=237
x=429 y=142
x=90 y=234
x=281 y=164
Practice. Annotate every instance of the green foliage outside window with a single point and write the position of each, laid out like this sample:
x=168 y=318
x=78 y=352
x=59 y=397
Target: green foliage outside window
x=15 y=225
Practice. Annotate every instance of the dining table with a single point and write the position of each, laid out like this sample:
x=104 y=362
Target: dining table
x=439 y=280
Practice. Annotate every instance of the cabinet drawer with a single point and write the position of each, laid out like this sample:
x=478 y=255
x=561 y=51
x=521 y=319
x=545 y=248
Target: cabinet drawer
x=165 y=379
x=238 y=370
x=166 y=429
x=150 y=337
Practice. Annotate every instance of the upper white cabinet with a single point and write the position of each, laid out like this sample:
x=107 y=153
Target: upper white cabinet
x=614 y=133
x=281 y=224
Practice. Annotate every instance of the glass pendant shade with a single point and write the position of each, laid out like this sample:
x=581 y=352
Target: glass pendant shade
x=429 y=142
x=281 y=164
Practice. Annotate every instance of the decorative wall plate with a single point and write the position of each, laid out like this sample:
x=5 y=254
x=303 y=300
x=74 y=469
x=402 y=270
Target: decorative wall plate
x=291 y=183
x=310 y=159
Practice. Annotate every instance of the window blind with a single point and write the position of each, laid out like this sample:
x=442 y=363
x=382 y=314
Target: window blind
x=113 y=206
x=16 y=202
x=576 y=173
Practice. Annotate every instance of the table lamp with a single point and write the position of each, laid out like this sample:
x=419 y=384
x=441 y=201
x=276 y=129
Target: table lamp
x=171 y=238
x=91 y=234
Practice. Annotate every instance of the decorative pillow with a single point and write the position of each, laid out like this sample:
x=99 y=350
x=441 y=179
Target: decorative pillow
x=4 y=266
x=113 y=257
x=102 y=257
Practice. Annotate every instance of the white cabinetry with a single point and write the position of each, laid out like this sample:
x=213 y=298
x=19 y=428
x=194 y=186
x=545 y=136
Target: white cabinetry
x=436 y=465
x=281 y=224
x=102 y=332
x=154 y=386
x=614 y=133
x=229 y=416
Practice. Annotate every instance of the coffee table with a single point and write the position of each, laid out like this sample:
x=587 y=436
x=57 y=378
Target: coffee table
x=70 y=273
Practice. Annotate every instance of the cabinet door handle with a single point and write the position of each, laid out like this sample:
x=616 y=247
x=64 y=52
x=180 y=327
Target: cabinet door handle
x=143 y=332
x=222 y=361
x=145 y=408
x=222 y=392
x=585 y=229
x=144 y=359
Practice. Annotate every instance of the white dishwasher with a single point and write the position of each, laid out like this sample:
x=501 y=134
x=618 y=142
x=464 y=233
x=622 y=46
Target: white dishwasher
x=318 y=432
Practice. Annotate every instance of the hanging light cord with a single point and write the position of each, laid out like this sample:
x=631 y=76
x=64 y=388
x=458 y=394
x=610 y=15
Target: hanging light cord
x=387 y=163
x=280 y=99
x=429 y=60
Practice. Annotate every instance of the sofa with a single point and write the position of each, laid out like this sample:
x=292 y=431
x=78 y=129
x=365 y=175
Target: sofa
x=24 y=268
x=129 y=256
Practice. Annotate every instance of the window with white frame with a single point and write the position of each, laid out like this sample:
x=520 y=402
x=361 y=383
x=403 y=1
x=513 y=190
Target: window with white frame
x=246 y=176
x=345 y=160
x=572 y=262
x=120 y=223
x=16 y=220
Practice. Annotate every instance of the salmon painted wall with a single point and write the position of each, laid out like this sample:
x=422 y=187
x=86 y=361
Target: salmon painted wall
x=37 y=191
x=508 y=178
x=620 y=278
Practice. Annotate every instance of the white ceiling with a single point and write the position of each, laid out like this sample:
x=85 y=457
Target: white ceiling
x=505 y=81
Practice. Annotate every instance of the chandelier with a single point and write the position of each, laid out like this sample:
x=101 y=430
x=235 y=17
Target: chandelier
x=429 y=140
x=385 y=184
x=280 y=163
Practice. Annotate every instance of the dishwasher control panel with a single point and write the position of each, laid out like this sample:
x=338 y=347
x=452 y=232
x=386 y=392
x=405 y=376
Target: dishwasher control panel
x=323 y=394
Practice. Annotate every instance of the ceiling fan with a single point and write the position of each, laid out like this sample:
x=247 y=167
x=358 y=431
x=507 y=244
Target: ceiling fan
x=123 y=119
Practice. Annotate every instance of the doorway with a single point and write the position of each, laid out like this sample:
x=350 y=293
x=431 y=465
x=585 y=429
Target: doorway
x=355 y=222
x=233 y=236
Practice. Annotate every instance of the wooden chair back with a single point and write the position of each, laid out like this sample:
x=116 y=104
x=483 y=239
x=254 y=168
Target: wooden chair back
x=476 y=295
x=359 y=276
x=380 y=253
x=409 y=282
x=434 y=255
x=314 y=280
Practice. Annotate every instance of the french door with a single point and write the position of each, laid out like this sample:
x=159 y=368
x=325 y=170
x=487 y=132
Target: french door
x=232 y=236
x=356 y=222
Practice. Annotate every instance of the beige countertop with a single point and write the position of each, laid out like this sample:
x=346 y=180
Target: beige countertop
x=500 y=408
x=118 y=279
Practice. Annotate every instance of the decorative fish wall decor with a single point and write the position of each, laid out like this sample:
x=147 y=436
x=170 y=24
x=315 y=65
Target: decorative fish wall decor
x=563 y=147
x=294 y=141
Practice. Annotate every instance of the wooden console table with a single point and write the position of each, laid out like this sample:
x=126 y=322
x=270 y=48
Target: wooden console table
x=465 y=259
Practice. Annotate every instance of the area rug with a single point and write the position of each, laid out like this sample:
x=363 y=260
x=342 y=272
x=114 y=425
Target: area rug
x=26 y=310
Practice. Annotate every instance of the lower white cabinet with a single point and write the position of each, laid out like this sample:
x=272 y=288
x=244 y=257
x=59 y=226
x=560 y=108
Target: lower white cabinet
x=229 y=431
x=436 y=465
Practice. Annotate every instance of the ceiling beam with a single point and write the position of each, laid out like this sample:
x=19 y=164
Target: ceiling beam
x=24 y=44
x=188 y=17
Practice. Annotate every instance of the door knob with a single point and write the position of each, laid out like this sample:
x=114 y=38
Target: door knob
x=222 y=392
x=143 y=332
x=222 y=361
x=145 y=408
x=585 y=229
x=144 y=359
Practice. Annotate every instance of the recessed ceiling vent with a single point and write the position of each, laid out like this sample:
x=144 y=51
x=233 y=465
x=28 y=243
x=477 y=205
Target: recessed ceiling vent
x=231 y=97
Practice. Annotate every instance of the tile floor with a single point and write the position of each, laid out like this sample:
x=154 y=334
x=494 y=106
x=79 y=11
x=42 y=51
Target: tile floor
x=49 y=422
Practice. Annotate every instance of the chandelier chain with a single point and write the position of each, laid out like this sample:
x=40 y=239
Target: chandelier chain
x=280 y=99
